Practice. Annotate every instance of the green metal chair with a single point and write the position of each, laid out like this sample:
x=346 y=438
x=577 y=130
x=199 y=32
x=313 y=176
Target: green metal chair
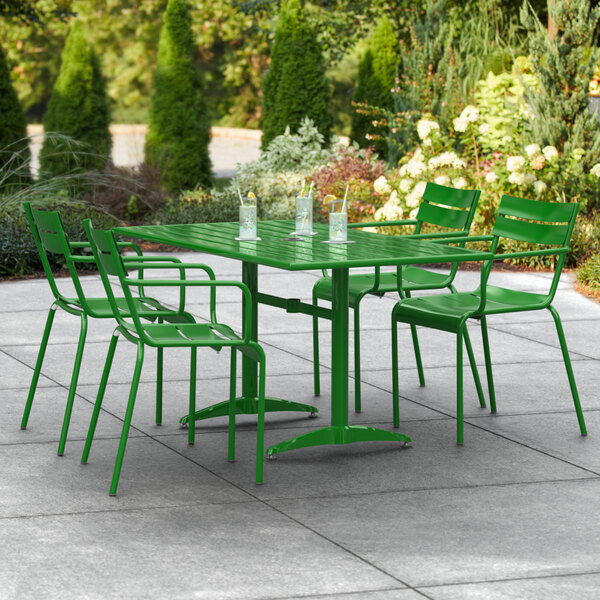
x=49 y=236
x=548 y=226
x=448 y=208
x=171 y=335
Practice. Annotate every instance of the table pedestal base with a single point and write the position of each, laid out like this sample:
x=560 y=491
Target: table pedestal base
x=337 y=434
x=249 y=406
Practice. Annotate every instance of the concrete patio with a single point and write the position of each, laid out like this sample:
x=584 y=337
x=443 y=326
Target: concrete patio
x=511 y=514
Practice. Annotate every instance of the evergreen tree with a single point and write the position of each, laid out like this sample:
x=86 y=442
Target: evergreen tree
x=79 y=108
x=376 y=77
x=295 y=86
x=564 y=64
x=14 y=146
x=179 y=126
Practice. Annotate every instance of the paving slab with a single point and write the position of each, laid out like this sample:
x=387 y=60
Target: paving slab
x=582 y=335
x=556 y=434
x=397 y=594
x=434 y=461
x=465 y=535
x=46 y=417
x=565 y=587
x=237 y=551
x=16 y=374
x=546 y=387
x=35 y=481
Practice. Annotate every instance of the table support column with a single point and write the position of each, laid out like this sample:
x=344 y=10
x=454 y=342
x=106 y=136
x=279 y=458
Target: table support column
x=339 y=348
x=249 y=366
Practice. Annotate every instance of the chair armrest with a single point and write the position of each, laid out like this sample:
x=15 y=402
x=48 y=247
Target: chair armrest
x=132 y=245
x=383 y=223
x=528 y=253
x=466 y=238
x=213 y=284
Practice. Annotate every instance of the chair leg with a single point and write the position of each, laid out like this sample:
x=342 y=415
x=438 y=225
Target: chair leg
x=357 y=387
x=474 y=368
x=232 y=396
x=38 y=366
x=316 y=369
x=260 y=428
x=99 y=397
x=417 y=351
x=570 y=375
x=395 y=390
x=488 y=364
x=192 y=406
x=459 y=386
x=127 y=421
x=73 y=386
x=159 y=383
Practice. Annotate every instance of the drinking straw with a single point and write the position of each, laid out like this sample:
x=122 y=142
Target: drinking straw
x=302 y=190
x=345 y=196
x=240 y=195
x=311 y=187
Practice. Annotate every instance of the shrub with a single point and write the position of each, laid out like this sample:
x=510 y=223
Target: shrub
x=18 y=254
x=276 y=177
x=129 y=194
x=79 y=109
x=376 y=74
x=295 y=85
x=14 y=147
x=198 y=206
x=179 y=127
x=564 y=65
x=588 y=275
x=358 y=169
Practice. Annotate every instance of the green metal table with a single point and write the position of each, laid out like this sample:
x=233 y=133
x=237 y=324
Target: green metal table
x=277 y=249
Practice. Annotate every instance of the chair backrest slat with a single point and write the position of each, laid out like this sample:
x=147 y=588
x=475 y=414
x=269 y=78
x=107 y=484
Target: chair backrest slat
x=534 y=233
x=442 y=216
x=51 y=231
x=440 y=194
x=447 y=207
x=534 y=210
x=556 y=218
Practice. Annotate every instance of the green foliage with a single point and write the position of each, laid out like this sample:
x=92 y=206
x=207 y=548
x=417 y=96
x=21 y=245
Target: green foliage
x=179 y=128
x=295 y=85
x=588 y=274
x=358 y=170
x=14 y=146
x=564 y=65
x=18 y=254
x=376 y=76
x=198 y=206
x=28 y=11
x=276 y=176
x=78 y=108
x=427 y=82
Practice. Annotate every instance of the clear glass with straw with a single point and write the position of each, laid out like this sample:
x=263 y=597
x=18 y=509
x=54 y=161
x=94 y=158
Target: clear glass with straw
x=338 y=221
x=304 y=213
x=248 y=218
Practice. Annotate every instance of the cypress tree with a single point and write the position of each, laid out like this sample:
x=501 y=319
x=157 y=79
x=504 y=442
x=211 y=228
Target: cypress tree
x=376 y=77
x=78 y=108
x=179 y=126
x=295 y=85
x=14 y=146
x=564 y=64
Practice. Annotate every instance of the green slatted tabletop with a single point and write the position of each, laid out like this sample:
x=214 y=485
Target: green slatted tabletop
x=275 y=249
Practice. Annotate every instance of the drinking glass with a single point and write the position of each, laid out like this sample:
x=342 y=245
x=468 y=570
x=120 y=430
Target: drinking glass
x=338 y=221
x=248 y=219
x=304 y=215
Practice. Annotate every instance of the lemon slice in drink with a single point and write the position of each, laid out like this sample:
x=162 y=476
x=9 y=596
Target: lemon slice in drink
x=329 y=198
x=251 y=195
